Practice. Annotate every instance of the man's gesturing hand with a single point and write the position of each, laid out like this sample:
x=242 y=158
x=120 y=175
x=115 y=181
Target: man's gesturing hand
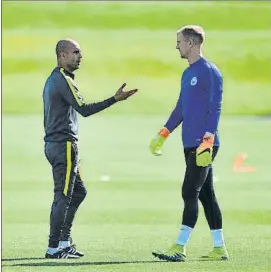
x=123 y=95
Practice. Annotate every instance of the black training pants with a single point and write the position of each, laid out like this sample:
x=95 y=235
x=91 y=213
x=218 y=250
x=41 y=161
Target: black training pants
x=69 y=189
x=198 y=184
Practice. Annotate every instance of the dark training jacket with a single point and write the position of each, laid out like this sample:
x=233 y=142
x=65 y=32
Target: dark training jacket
x=62 y=101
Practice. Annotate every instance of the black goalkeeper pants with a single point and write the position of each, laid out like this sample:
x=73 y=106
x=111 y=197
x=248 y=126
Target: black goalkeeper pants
x=198 y=185
x=69 y=189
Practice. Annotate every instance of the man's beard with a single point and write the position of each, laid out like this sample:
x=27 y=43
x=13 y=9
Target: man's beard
x=74 y=67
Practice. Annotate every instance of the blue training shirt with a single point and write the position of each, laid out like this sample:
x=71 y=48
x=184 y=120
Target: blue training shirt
x=199 y=104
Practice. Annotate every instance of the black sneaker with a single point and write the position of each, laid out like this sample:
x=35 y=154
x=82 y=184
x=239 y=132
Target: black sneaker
x=72 y=250
x=80 y=254
x=61 y=254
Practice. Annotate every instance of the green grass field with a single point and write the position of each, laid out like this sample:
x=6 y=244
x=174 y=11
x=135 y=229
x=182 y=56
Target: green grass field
x=139 y=208
x=137 y=47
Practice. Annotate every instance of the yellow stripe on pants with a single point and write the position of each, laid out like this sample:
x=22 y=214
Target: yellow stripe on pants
x=69 y=166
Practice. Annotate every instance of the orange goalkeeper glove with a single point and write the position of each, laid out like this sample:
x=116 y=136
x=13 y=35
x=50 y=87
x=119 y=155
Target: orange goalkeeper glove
x=157 y=143
x=204 y=152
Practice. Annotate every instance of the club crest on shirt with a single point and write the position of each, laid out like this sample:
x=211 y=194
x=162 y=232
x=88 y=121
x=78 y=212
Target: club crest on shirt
x=194 y=81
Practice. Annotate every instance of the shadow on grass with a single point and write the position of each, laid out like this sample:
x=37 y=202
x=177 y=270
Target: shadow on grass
x=22 y=259
x=56 y=263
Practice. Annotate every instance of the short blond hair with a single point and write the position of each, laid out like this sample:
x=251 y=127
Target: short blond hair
x=194 y=32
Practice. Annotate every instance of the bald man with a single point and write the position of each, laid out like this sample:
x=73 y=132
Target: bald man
x=62 y=101
x=198 y=109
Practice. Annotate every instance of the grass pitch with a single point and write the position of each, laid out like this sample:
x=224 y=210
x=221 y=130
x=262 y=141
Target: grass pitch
x=135 y=42
x=139 y=208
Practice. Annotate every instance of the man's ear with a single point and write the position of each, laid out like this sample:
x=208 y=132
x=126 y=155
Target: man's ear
x=63 y=55
x=191 y=42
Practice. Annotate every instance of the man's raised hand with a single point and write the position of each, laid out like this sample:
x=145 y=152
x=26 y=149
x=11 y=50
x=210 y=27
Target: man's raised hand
x=123 y=95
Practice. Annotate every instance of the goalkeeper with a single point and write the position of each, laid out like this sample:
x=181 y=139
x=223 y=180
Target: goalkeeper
x=198 y=109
